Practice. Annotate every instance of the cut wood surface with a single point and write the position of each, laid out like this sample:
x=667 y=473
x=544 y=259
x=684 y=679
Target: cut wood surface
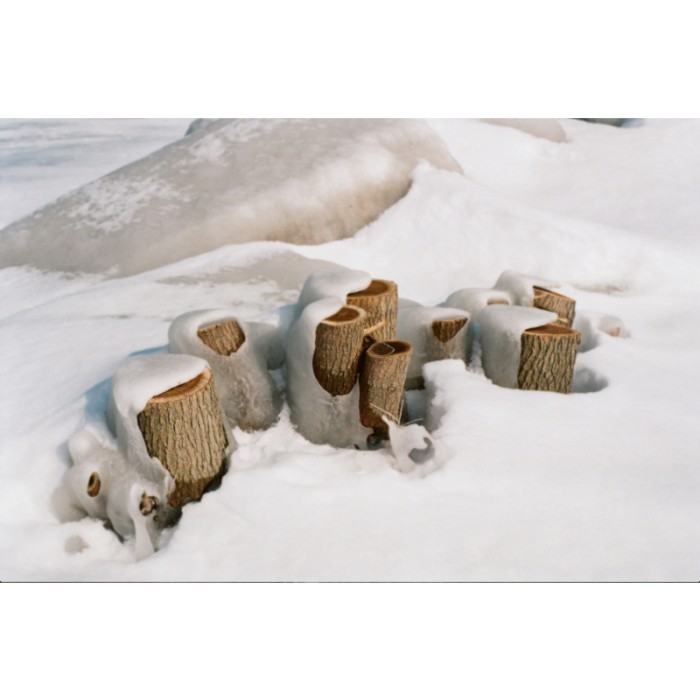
x=564 y=307
x=223 y=338
x=547 y=358
x=339 y=345
x=184 y=429
x=381 y=302
x=382 y=378
x=447 y=328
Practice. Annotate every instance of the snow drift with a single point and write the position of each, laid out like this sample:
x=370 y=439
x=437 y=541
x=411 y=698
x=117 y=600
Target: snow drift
x=231 y=181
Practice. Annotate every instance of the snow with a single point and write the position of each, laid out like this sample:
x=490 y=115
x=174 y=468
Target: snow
x=473 y=300
x=599 y=484
x=334 y=283
x=232 y=181
x=520 y=287
x=247 y=392
x=501 y=336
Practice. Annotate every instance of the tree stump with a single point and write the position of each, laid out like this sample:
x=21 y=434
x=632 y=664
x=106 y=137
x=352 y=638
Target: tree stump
x=381 y=302
x=223 y=338
x=382 y=378
x=183 y=427
x=339 y=345
x=547 y=358
x=564 y=307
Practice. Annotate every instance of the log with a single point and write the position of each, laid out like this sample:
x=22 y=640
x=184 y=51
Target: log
x=382 y=378
x=183 y=427
x=563 y=307
x=547 y=358
x=447 y=328
x=223 y=338
x=381 y=302
x=338 y=349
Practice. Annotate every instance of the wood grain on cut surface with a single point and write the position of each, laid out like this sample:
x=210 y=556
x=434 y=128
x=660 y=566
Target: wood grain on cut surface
x=223 y=338
x=339 y=341
x=382 y=378
x=184 y=429
x=381 y=302
x=564 y=307
x=547 y=358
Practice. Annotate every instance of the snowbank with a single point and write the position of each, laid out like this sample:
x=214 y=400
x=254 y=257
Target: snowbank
x=233 y=181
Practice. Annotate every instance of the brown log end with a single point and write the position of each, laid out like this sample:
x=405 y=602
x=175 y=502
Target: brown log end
x=447 y=328
x=547 y=358
x=338 y=349
x=564 y=307
x=381 y=302
x=94 y=484
x=382 y=378
x=184 y=429
x=223 y=338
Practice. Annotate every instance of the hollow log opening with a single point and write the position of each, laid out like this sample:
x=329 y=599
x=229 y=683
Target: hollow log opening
x=381 y=302
x=547 y=358
x=382 y=378
x=564 y=307
x=184 y=428
x=338 y=349
x=223 y=338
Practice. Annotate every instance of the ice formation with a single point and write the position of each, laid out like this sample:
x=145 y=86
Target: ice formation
x=303 y=181
x=473 y=300
x=247 y=392
x=335 y=284
x=501 y=331
x=519 y=287
x=319 y=417
x=104 y=484
x=414 y=325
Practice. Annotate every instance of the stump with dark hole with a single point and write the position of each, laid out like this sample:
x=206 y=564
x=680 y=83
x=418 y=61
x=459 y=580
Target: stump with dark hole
x=564 y=307
x=381 y=302
x=339 y=345
x=184 y=428
x=382 y=378
x=547 y=358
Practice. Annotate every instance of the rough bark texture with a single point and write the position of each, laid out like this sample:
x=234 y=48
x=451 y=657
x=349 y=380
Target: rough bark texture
x=445 y=342
x=547 y=358
x=382 y=378
x=223 y=338
x=184 y=429
x=564 y=307
x=339 y=344
x=381 y=302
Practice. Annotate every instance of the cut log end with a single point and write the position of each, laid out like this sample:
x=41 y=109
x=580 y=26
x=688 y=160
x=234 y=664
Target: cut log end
x=223 y=338
x=382 y=379
x=547 y=358
x=564 y=307
x=447 y=328
x=381 y=302
x=183 y=428
x=338 y=348
x=94 y=484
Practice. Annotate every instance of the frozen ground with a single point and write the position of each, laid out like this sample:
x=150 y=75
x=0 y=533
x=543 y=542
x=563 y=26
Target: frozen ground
x=42 y=159
x=602 y=484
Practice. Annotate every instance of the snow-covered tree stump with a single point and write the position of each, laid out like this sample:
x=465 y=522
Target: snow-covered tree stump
x=223 y=338
x=444 y=331
x=564 y=307
x=547 y=358
x=184 y=429
x=382 y=378
x=381 y=302
x=339 y=345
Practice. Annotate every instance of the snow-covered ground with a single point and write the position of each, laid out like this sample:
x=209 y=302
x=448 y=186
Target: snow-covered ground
x=42 y=159
x=602 y=484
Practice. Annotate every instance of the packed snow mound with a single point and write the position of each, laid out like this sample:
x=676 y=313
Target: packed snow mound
x=303 y=181
x=549 y=129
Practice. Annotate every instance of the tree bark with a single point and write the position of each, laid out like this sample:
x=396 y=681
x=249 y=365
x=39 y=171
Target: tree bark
x=223 y=338
x=184 y=429
x=563 y=307
x=381 y=302
x=339 y=344
x=382 y=378
x=547 y=358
